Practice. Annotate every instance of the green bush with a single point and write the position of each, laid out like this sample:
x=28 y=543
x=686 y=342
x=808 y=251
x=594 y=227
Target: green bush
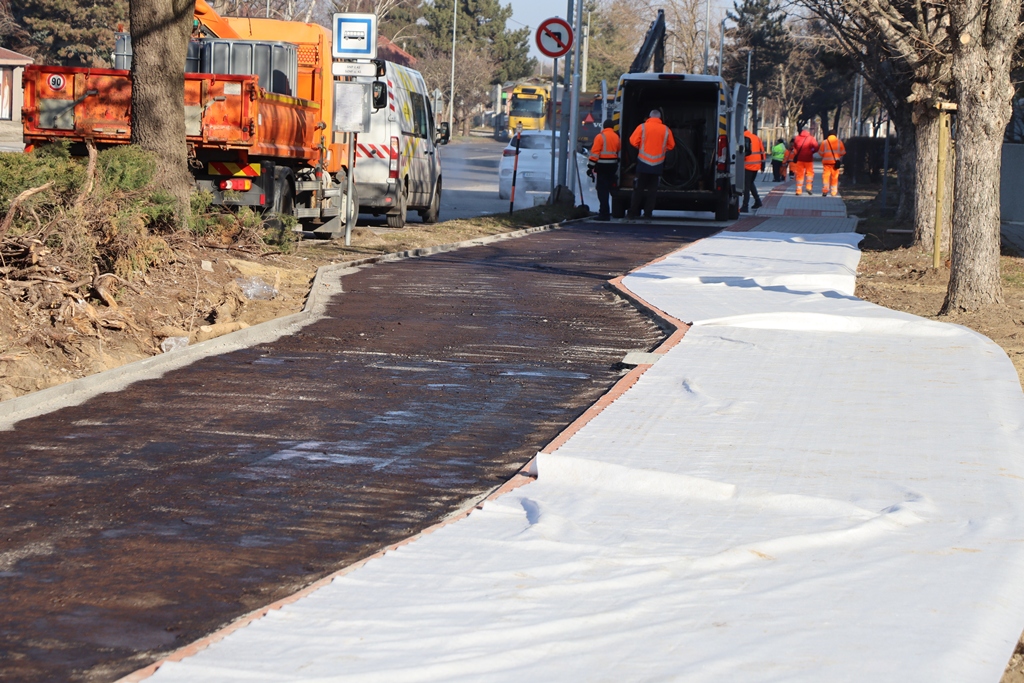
x=126 y=168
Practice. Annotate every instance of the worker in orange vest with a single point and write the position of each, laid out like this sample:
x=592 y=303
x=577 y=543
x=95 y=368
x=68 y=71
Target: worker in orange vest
x=653 y=140
x=832 y=151
x=603 y=162
x=753 y=163
x=804 y=147
x=787 y=161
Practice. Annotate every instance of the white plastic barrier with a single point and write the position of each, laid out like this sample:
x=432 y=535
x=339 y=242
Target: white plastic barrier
x=807 y=488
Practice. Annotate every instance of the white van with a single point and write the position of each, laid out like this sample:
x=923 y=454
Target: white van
x=398 y=168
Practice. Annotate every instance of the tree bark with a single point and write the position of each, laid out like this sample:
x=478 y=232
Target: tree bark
x=984 y=35
x=906 y=175
x=160 y=32
x=926 y=156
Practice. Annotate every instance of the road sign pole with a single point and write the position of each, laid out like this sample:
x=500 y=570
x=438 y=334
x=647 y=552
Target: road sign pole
x=568 y=88
x=553 y=123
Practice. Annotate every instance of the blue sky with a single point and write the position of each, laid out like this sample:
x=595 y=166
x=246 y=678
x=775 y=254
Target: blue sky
x=531 y=13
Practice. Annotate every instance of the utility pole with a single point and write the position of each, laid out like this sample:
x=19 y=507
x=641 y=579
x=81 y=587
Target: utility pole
x=750 y=58
x=574 y=108
x=586 y=54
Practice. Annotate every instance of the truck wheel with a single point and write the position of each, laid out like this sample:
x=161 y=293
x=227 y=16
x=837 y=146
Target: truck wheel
x=722 y=208
x=396 y=218
x=618 y=207
x=284 y=200
x=434 y=211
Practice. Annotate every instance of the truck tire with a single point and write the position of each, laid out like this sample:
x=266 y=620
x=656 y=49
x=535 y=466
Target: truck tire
x=397 y=216
x=722 y=206
x=433 y=212
x=619 y=207
x=284 y=199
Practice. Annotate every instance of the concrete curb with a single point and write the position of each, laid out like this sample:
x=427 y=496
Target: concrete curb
x=326 y=283
x=525 y=475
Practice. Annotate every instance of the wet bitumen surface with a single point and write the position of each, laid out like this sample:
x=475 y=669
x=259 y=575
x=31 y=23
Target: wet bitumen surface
x=144 y=519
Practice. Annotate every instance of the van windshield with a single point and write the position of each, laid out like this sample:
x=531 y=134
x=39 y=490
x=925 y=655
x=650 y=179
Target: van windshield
x=532 y=107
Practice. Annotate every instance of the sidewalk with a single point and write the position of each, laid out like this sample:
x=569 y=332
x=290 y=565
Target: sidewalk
x=807 y=487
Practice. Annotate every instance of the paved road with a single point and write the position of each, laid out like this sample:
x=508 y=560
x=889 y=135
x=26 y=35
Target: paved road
x=143 y=519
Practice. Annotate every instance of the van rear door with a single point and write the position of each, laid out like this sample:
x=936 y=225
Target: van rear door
x=739 y=120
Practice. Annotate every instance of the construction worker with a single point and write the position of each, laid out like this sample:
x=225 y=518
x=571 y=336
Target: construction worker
x=787 y=161
x=804 y=147
x=753 y=163
x=832 y=151
x=653 y=140
x=778 y=158
x=603 y=162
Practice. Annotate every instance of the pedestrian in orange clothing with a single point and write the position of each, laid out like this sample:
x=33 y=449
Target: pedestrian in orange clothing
x=804 y=148
x=653 y=140
x=832 y=151
x=602 y=165
x=787 y=161
x=753 y=161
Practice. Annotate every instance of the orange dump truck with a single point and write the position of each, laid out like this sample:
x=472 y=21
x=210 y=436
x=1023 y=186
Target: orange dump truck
x=258 y=113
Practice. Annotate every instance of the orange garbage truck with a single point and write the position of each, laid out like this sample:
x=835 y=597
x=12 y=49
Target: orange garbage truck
x=258 y=114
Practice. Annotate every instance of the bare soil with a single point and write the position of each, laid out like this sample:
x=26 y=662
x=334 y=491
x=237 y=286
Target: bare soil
x=899 y=275
x=49 y=335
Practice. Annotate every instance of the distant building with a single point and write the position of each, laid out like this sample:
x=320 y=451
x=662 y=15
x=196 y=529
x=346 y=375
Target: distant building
x=11 y=66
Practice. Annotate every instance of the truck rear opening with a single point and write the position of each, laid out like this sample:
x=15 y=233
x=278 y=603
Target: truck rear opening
x=691 y=110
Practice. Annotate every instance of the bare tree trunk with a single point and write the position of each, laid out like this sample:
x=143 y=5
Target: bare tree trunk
x=985 y=35
x=926 y=162
x=160 y=34
x=906 y=173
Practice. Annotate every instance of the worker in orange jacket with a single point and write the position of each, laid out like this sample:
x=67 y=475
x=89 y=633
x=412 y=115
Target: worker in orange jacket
x=832 y=151
x=753 y=163
x=804 y=147
x=602 y=164
x=653 y=140
x=787 y=161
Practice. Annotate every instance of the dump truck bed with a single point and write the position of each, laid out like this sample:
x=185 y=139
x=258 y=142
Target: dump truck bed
x=222 y=112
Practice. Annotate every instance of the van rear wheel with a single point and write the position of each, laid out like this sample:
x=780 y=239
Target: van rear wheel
x=398 y=215
x=433 y=212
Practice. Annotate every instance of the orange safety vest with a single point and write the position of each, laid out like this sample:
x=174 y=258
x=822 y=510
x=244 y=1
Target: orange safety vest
x=755 y=160
x=654 y=146
x=605 y=149
x=830 y=155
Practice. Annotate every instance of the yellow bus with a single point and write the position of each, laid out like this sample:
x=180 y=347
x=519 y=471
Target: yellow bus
x=529 y=106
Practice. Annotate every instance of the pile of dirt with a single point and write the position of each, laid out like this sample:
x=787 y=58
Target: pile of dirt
x=96 y=273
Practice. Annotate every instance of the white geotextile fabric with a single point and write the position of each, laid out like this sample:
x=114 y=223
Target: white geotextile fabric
x=807 y=488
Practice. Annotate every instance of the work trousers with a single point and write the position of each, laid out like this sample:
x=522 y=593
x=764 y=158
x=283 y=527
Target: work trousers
x=605 y=182
x=777 y=170
x=829 y=179
x=804 y=172
x=749 y=188
x=645 y=192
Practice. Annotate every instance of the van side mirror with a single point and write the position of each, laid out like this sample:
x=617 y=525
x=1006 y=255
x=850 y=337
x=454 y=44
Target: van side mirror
x=380 y=94
x=444 y=133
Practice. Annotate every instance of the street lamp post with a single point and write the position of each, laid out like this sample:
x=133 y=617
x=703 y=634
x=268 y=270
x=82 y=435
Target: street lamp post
x=707 y=34
x=451 y=86
x=721 y=49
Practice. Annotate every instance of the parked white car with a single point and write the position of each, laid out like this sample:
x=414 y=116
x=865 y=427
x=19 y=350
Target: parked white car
x=534 y=172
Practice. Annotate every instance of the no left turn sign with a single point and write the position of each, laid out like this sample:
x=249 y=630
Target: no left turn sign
x=554 y=37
